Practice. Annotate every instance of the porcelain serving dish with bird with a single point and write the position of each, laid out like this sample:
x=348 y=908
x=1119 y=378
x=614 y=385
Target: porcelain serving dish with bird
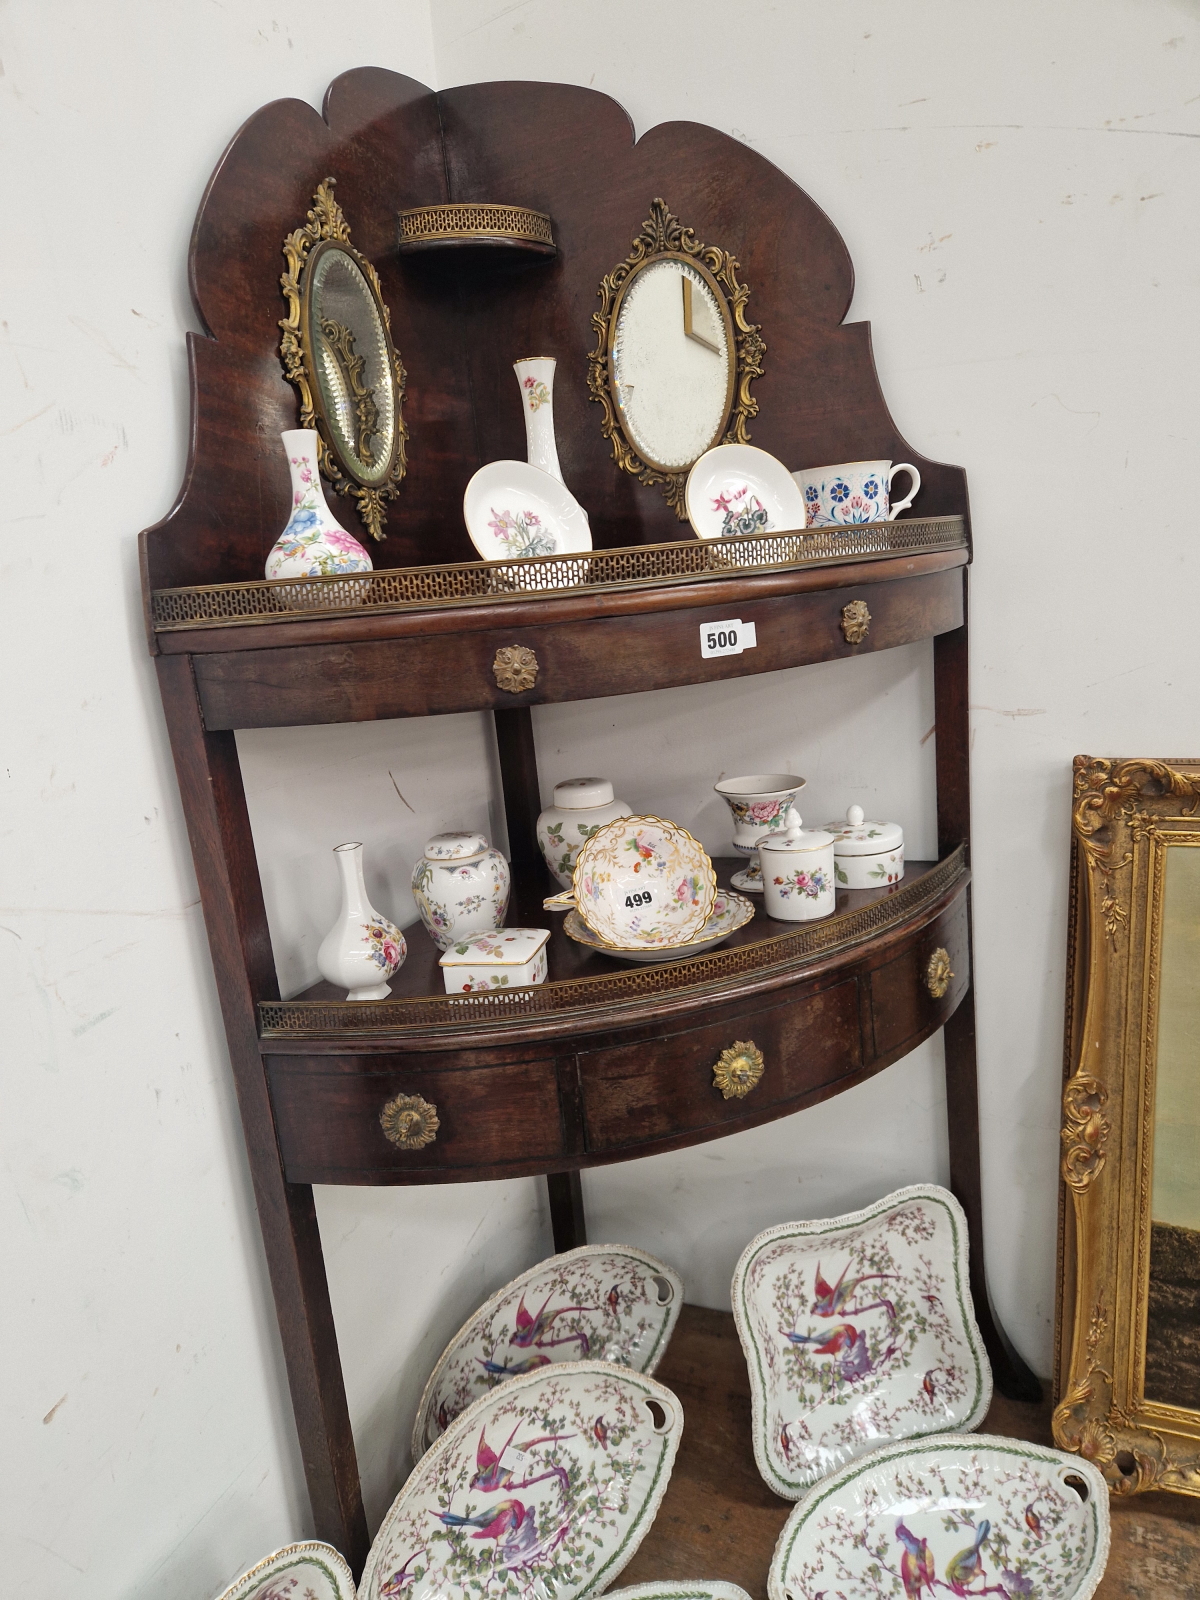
x=642 y=881
x=858 y=1330
x=958 y=1514
x=729 y=913
x=603 y=1302
x=294 y=1573
x=544 y=1486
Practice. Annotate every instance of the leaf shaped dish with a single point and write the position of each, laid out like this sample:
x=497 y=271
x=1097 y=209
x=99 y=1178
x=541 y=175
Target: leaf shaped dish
x=546 y=1486
x=604 y=1302
x=857 y=1330
x=960 y=1513
x=298 y=1570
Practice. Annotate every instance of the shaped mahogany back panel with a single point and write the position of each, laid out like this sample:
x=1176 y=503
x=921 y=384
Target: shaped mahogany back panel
x=461 y=318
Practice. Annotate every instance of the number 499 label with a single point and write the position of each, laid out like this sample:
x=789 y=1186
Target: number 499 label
x=726 y=638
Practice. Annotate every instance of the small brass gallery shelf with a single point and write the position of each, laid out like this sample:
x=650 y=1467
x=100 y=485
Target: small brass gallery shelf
x=615 y=997
x=471 y=583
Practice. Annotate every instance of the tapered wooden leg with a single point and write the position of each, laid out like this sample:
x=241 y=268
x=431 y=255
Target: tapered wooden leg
x=566 y=1210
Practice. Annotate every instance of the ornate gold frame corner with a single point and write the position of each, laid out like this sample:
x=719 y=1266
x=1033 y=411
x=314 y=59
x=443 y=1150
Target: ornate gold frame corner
x=326 y=222
x=663 y=236
x=1126 y=814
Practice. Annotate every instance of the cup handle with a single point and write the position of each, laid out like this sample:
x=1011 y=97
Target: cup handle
x=904 y=466
x=565 y=901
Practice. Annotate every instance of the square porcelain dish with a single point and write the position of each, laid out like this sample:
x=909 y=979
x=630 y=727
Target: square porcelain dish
x=505 y=959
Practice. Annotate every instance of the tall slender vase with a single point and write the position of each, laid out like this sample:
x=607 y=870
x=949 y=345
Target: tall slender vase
x=313 y=544
x=535 y=374
x=362 y=949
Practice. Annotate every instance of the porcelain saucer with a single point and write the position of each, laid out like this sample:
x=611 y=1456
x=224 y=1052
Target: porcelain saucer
x=513 y=510
x=958 y=1514
x=858 y=1330
x=730 y=912
x=737 y=489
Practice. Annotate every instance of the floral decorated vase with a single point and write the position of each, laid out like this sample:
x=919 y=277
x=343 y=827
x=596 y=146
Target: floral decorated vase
x=535 y=374
x=544 y=1487
x=797 y=872
x=759 y=802
x=362 y=950
x=599 y=1302
x=580 y=806
x=866 y=855
x=313 y=544
x=461 y=886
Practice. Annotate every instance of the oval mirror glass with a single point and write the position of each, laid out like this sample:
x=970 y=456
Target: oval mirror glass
x=672 y=361
x=352 y=363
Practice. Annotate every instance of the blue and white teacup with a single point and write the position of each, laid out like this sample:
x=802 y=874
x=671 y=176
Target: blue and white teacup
x=855 y=491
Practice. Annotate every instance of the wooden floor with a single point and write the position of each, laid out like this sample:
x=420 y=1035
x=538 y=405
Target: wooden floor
x=719 y=1519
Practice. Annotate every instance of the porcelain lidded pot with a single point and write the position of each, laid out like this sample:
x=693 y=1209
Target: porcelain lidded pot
x=866 y=855
x=362 y=949
x=797 y=873
x=461 y=887
x=580 y=806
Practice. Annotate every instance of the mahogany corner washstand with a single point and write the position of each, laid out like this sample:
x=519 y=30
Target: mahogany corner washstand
x=603 y=1062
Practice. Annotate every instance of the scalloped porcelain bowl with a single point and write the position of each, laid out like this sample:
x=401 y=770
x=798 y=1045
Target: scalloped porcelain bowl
x=957 y=1514
x=544 y=1487
x=730 y=912
x=858 y=1330
x=642 y=882
x=294 y=1573
x=607 y=1302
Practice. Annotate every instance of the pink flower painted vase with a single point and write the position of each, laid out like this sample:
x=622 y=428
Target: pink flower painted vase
x=312 y=545
x=362 y=949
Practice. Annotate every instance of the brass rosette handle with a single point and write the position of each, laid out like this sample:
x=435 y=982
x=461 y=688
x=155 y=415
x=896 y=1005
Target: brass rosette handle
x=738 y=1069
x=938 y=973
x=409 y=1122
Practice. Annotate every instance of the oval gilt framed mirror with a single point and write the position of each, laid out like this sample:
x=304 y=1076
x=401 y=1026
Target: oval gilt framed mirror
x=674 y=355
x=337 y=349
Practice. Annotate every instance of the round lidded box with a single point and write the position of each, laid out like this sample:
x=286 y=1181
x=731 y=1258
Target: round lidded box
x=798 y=874
x=867 y=855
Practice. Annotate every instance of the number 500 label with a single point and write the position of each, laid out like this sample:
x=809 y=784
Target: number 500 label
x=726 y=638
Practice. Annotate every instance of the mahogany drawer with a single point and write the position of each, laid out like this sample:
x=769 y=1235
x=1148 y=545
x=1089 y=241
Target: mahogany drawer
x=662 y=1087
x=328 y=1110
x=904 y=1004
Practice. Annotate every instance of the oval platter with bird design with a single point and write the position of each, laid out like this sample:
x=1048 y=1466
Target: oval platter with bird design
x=857 y=1330
x=952 y=1515
x=600 y=1303
x=545 y=1486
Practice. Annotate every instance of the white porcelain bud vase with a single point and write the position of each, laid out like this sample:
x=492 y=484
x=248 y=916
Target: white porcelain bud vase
x=362 y=949
x=535 y=374
x=313 y=544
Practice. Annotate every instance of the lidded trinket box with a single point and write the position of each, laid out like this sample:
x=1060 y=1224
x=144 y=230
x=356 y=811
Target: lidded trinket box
x=579 y=807
x=461 y=886
x=505 y=959
x=867 y=855
x=797 y=872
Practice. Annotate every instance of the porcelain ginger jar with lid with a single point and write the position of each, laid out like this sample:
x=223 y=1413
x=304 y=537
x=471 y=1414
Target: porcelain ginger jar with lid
x=866 y=855
x=461 y=886
x=579 y=807
x=797 y=873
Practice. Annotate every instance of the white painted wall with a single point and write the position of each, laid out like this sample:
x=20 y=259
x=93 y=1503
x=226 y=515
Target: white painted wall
x=1017 y=187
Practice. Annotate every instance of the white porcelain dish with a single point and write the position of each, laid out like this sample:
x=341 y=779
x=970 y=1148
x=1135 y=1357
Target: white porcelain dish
x=546 y=1486
x=737 y=489
x=642 y=881
x=680 y=1589
x=730 y=912
x=604 y=1302
x=294 y=1573
x=512 y=509
x=957 y=1514
x=858 y=1330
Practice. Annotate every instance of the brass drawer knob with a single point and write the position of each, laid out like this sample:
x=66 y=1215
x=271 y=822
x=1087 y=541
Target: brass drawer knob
x=856 y=621
x=409 y=1122
x=938 y=973
x=515 y=668
x=738 y=1070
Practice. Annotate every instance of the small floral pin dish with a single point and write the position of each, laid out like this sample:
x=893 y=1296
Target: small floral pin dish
x=515 y=510
x=858 y=1330
x=730 y=912
x=600 y=1302
x=957 y=1514
x=545 y=1486
x=294 y=1573
x=641 y=882
x=737 y=489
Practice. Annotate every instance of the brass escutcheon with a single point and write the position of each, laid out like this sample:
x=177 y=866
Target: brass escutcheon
x=938 y=973
x=409 y=1122
x=856 y=621
x=738 y=1069
x=515 y=668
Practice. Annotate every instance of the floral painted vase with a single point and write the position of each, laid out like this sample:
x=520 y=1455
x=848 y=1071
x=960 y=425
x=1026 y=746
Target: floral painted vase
x=535 y=374
x=760 y=803
x=461 y=886
x=362 y=949
x=580 y=806
x=312 y=545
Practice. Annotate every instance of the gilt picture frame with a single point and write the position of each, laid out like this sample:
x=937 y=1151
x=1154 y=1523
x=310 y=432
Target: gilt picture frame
x=1127 y=1359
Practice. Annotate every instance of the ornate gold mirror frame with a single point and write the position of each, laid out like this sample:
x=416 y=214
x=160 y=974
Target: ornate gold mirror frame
x=664 y=237
x=327 y=229
x=1133 y=993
